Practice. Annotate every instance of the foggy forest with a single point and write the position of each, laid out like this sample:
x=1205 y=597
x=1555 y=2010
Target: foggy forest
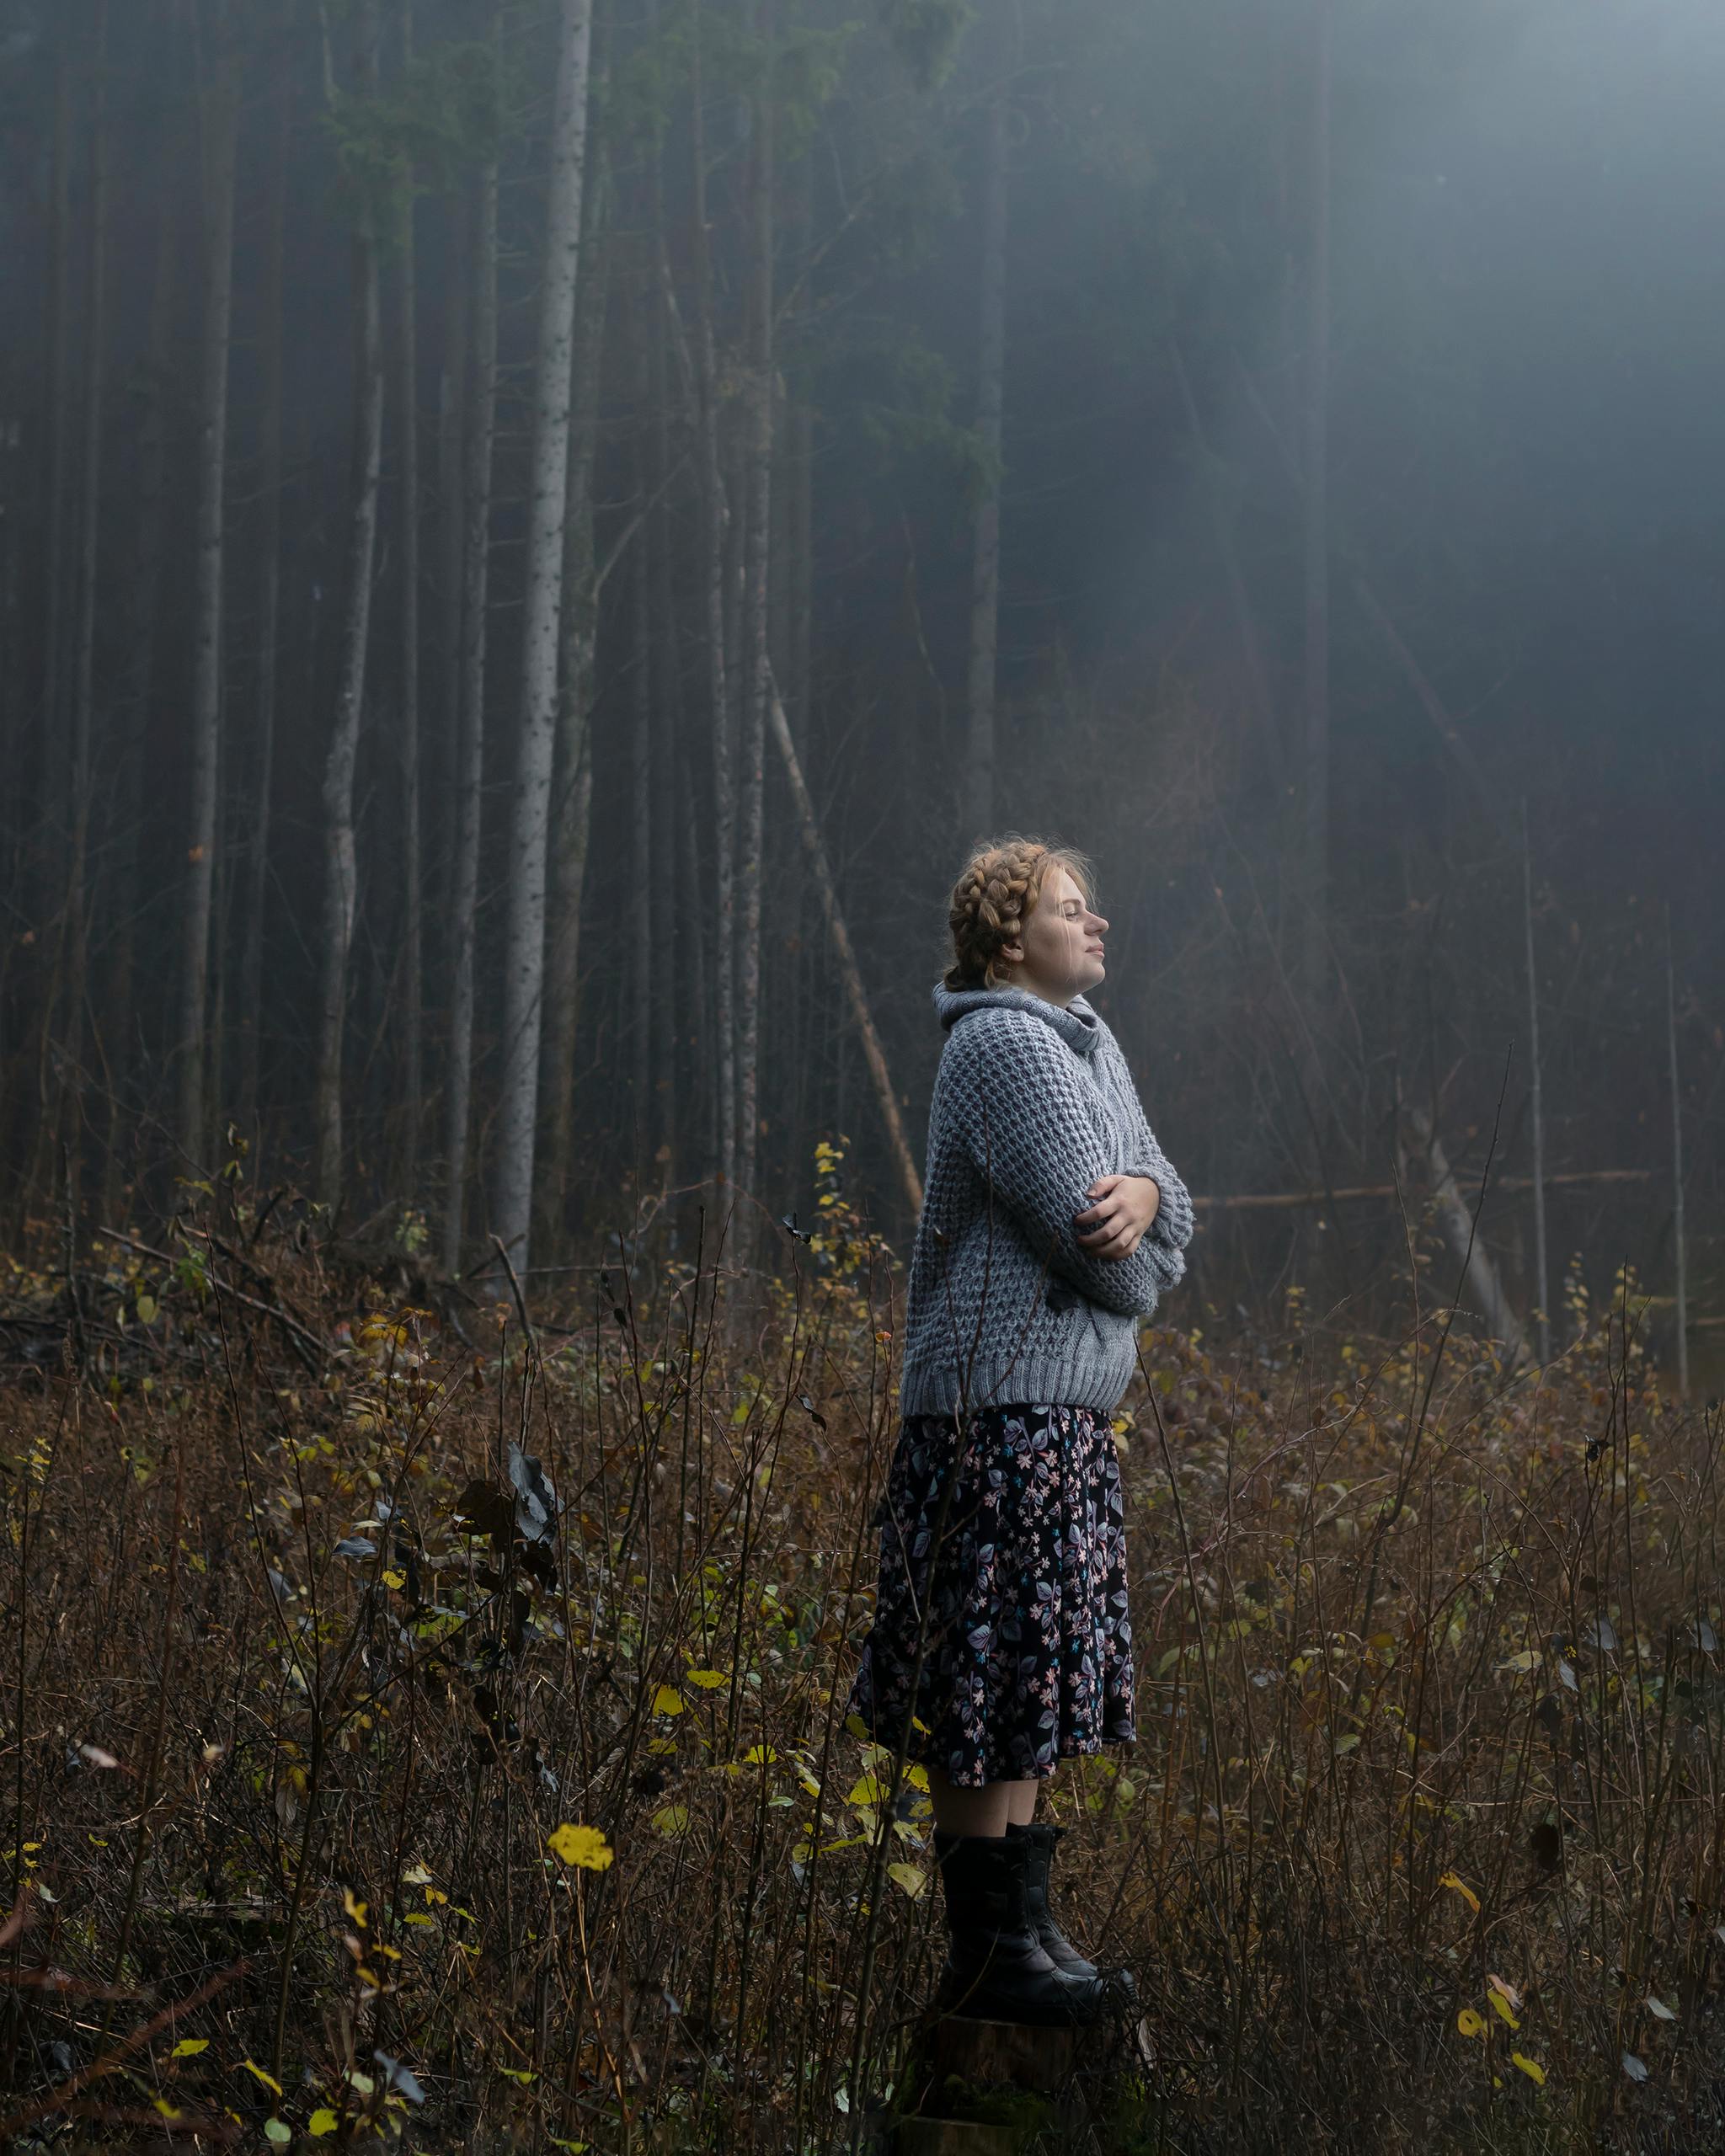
x=536 y=537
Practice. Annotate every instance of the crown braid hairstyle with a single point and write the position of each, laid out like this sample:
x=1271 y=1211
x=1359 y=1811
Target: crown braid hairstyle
x=994 y=898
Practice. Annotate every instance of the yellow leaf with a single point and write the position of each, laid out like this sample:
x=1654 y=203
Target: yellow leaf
x=189 y=2047
x=709 y=1680
x=910 y=1876
x=584 y=1847
x=356 y=1910
x=1466 y=1891
x=1470 y=2023
x=1521 y=1663
x=167 y=2109
x=1531 y=2068
x=147 y=1307
x=673 y=1819
x=269 y=2080
x=916 y=1776
x=394 y=1579
x=667 y=1701
x=1500 y=2006
x=868 y=1789
x=322 y=2121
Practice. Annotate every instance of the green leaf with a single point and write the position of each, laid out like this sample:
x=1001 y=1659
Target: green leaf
x=274 y=2130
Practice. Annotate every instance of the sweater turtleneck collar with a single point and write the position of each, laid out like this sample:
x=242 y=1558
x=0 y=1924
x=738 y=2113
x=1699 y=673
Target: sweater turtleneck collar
x=1075 y=1022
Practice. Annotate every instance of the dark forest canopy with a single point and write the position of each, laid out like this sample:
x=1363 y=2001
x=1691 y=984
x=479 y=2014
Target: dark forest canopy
x=1341 y=379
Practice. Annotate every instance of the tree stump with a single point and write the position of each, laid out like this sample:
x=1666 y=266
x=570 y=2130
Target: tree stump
x=980 y=2088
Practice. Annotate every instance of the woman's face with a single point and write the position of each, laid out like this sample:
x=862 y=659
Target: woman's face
x=1061 y=953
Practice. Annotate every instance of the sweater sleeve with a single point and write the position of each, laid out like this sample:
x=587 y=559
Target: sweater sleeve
x=1036 y=1147
x=1174 y=1218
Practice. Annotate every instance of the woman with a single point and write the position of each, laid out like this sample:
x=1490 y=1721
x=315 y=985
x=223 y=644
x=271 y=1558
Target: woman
x=1051 y=1224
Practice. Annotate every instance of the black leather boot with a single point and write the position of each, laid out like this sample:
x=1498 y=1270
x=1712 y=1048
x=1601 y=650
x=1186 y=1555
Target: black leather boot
x=996 y=1968
x=1042 y=1837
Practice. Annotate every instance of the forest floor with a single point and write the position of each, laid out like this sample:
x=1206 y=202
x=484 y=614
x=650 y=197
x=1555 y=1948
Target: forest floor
x=424 y=1726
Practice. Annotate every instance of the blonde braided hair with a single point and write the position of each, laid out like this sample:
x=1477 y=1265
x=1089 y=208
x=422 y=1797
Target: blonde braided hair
x=995 y=896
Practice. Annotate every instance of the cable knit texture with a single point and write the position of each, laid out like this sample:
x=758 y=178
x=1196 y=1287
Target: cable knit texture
x=1031 y=1102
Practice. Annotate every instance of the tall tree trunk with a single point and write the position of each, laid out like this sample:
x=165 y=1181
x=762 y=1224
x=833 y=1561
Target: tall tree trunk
x=221 y=121
x=1540 y=1262
x=1317 y=531
x=76 y=915
x=470 y=752
x=715 y=518
x=60 y=391
x=978 y=789
x=573 y=819
x=756 y=597
x=251 y=981
x=524 y=948
x=412 y=1021
x=1679 y=1239
x=144 y=587
x=664 y=645
x=645 y=868
x=48 y=869
x=340 y=866
x=438 y=776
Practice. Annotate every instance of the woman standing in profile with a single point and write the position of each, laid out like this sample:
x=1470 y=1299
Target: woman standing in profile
x=1051 y=1224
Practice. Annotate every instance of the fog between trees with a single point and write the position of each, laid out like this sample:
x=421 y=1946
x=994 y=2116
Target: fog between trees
x=1275 y=449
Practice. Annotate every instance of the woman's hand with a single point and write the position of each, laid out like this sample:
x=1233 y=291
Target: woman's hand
x=1116 y=1224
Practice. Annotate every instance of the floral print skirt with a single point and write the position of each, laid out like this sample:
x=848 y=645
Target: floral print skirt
x=1017 y=1564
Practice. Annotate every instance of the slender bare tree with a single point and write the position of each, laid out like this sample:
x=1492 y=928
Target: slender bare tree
x=1316 y=475
x=340 y=863
x=251 y=980
x=75 y=923
x=572 y=819
x=220 y=111
x=524 y=943
x=470 y=749
x=985 y=538
x=413 y=957
x=756 y=607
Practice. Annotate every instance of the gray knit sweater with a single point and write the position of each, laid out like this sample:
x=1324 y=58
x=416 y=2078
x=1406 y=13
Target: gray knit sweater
x=1031 y=1102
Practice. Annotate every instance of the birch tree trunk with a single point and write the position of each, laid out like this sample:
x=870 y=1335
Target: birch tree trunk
x=978 y=789
x=1541 y=1266
x=1317 y=531
x=756 y=597
x=251 y=987
x=412 y=1019
x=340 y=866
x=580 y=639
x=664 y=645
x=1680 y=1316
x=714 y=520
x=524 y=947
x=220 y=122
x=438 y=776
x=470 y=749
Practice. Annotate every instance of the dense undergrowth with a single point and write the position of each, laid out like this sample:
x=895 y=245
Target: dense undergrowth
x=424 y=1724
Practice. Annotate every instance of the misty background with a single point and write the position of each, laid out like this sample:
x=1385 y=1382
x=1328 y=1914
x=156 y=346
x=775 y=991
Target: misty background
x=1358 y=489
